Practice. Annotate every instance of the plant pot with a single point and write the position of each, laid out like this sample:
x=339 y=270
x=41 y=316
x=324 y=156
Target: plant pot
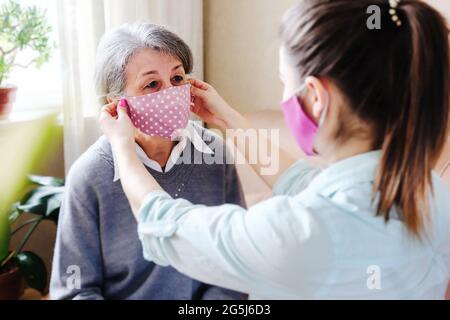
x=7 y=99
x=11 y=282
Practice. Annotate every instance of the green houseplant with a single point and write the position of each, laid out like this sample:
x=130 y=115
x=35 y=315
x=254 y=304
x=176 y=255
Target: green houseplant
x=25 y=155
x=43 y=202
x=22 y=29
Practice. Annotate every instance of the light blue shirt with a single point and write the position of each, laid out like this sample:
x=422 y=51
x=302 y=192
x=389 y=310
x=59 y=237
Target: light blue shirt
x=317 y=238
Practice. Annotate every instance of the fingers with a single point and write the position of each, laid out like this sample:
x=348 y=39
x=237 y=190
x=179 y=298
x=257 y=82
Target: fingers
x=122 y=109
x=111 y=108
x=195 y=108
x=199 y=84
x=105 y=115
x=198 y=92
x=110 y=111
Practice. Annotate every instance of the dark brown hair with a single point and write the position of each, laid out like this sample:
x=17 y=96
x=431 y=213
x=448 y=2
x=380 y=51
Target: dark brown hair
x=396 y=78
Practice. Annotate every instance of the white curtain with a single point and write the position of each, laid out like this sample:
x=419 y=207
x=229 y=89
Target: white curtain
x=81 y=25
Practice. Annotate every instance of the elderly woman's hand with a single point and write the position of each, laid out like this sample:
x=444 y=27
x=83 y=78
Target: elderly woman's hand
x=212 y=108
x=116 y=124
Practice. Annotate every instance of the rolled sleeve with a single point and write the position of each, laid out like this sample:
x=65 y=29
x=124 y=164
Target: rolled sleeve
x=152 y=231
x=229 y=246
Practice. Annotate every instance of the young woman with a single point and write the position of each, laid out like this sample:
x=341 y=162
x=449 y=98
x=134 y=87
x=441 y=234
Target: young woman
x=374 y=104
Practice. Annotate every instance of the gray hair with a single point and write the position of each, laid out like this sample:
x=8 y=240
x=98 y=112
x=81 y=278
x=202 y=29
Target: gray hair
x=119 y=45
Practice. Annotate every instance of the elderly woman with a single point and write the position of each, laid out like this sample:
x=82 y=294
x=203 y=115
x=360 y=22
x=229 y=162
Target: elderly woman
x=98 y=254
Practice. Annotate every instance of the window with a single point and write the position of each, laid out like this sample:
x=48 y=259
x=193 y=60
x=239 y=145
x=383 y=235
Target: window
x=39 y=89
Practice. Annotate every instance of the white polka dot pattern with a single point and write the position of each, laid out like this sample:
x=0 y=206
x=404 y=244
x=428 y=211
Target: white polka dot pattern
x=163 y=113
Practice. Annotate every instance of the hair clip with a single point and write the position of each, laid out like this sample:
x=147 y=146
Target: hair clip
x=393 y=12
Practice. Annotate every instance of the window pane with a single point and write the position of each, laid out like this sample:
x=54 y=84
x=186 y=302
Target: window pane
x=39 y=88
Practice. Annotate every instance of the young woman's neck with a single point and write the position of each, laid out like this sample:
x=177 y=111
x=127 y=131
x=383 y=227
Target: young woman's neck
x=347 y=149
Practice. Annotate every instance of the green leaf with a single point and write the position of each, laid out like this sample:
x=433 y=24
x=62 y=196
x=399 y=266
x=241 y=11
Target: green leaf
x=4 y=236
x=45 y=201
x=14 y=213
x=53 y=207
x=53 y=216
x=38 y=208
x=14 y=216
x=46 y=181
x=40 y=194
x=33 y=270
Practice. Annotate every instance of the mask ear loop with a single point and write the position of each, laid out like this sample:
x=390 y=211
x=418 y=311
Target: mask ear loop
x=325 y=111
x=302 y=88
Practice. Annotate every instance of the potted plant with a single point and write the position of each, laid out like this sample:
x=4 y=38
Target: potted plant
x=44 y=202
x=22 y=29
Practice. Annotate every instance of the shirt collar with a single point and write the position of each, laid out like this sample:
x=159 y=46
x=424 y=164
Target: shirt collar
x=189 y=134
x=348 y=172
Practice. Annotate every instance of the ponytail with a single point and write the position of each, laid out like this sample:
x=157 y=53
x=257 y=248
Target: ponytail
x=414 y=141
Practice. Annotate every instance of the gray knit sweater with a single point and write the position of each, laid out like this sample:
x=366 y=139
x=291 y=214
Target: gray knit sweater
x=98 y=254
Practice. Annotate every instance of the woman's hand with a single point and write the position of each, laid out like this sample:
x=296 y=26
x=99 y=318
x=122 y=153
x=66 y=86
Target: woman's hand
x=116 y=124
x=136 y=181
x=212 y=108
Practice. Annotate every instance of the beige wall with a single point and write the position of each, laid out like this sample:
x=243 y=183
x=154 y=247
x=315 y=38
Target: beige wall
x=442 y=5
x=241 y=50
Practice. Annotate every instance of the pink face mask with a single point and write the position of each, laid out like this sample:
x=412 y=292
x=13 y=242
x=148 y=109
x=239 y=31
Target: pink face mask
x=300 y=124
x=161 y=114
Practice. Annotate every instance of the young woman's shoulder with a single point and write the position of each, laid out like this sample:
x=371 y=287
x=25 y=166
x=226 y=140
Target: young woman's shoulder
x=440 y=203
x=441 y=192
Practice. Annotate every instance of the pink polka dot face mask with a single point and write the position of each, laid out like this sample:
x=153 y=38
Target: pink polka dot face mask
x=161 y=114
